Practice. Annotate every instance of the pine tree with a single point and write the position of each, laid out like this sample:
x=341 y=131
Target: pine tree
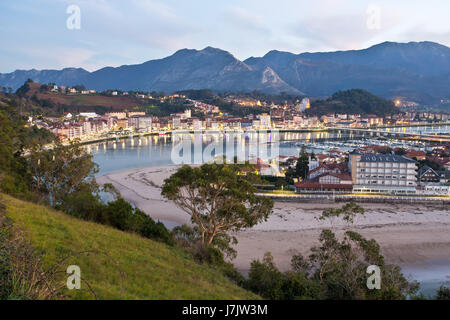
x=302 y=167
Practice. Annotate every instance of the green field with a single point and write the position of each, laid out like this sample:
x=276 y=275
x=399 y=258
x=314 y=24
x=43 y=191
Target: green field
x=121 y=265
x=86 y=102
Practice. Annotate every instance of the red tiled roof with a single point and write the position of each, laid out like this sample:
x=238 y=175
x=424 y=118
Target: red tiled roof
x=329 y=166
x=375 y=148
x=440 y=161
x=342 y=176
x=335 y=151
x=315 y=180
x=415 y=153
x=260 y=166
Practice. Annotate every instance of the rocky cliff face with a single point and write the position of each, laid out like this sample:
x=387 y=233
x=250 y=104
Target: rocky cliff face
x=417 y=70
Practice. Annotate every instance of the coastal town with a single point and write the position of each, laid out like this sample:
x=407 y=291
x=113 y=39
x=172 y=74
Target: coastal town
x=372 y=170
x=200 y=116
x=372 y=166
x=234 y=158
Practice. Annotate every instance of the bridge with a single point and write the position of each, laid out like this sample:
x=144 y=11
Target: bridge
x=438 y=138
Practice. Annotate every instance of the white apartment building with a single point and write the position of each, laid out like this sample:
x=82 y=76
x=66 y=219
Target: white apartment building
x=133 y=122
x=88 y=115
x=381 y=173
x=176 y=123
x=140 y=123
x=87 y=128
x=145 y=123
x=298 y=120
x=118 y=115
x=75 y=132
x=136 y=114
x=264 y=121
x=305 y=104
x=197 y=124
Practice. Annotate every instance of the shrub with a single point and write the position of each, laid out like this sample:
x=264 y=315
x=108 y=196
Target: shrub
x=335 y=270
x=87 y=205
x=265 y=279
x=144 y=225
x=443 y=293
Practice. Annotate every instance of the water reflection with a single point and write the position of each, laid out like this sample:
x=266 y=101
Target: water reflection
x=146 y=151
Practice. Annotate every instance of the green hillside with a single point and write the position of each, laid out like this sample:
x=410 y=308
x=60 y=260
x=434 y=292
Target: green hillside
x=354 y=101
x=151 y=270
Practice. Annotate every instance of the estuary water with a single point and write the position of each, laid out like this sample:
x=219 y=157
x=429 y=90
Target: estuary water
x=149 y=151
x=152 y=151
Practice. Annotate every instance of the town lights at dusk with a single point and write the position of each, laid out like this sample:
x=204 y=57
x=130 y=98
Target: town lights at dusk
x=247 y=151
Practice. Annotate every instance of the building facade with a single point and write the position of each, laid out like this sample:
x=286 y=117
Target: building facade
x=381 y=173
x=427 y=174
x=326 y=183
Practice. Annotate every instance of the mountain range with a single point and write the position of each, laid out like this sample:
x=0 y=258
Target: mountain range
x=418 y=71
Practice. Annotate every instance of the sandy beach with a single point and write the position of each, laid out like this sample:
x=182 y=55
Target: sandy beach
x=407 y=233
x=142 y=187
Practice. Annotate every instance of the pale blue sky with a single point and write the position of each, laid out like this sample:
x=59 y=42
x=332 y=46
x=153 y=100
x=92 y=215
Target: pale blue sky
x=115 y=32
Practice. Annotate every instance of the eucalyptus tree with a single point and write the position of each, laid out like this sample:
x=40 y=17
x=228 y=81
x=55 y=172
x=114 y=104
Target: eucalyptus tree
x=220 y=198
x=60 y=170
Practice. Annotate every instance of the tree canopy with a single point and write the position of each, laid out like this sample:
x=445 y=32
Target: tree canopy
x=336 y=269
x=354 y=101
x=219 y=199
x=60 y=170
x=302 y=167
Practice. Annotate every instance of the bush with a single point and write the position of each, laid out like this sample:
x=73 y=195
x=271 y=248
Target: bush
x=13 y=186
x=118 y=214
x=443 y=293
x=266 y=280
x=86 y=204
x=335 y=270
x=189 y=239
x=215 y=258
x=144 y=225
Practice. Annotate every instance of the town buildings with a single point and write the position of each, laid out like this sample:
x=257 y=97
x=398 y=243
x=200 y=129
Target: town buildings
x=384 y=173
x=326 y=183
x=426 y=174
x=304 y=105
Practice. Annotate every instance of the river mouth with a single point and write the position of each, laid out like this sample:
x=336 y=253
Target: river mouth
x=150 y=151
x=156 y=151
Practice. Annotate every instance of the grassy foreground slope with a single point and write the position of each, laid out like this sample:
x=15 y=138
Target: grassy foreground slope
x=124 y=265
